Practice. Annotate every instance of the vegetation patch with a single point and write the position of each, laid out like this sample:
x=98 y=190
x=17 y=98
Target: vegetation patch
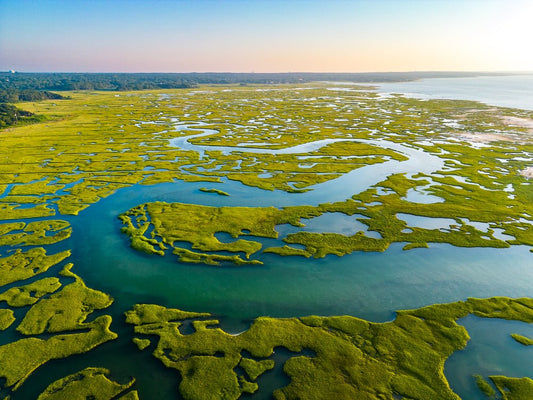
x=522 y=339
x=484 y=386
x=61 y=312
x=35 y=233
x=6 y=319
x=23 y=265
x=154 y=227
x=98 y=142
x=11 y=115
x=353 y=358
x=29 y=294
x=79 y=151
x=197 y=225
x=216 y=191
x=514 y=388
x=141 y=343
x=90 y=383
x=65 y=310
x=19 y=359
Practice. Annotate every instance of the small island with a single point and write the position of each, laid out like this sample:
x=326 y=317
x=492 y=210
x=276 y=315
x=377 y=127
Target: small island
x=216 y=191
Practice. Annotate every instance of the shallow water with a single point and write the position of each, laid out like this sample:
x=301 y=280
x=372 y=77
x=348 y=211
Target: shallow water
x=426 y=222
x=291 y=276
x=367 y=285
x=334 y=222
x=490 y=351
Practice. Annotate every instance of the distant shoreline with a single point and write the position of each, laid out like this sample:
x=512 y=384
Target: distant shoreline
x=139 y=81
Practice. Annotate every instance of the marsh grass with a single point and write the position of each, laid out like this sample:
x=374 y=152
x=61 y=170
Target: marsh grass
x=351 y=358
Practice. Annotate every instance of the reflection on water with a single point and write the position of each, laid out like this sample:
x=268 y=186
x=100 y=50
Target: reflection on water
x=333 y=222
x=426 y=222
x=417 y=196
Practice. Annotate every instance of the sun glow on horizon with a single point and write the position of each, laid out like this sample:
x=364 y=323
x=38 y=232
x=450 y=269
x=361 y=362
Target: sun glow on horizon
x=265 y=36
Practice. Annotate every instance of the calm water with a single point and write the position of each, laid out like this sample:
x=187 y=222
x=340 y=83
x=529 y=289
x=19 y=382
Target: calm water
x=504 y=91
x=367 y=285
x=483 y=354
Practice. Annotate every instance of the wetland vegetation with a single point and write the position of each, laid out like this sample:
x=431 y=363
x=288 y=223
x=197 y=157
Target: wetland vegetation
x=347 y=357
x=430 y=172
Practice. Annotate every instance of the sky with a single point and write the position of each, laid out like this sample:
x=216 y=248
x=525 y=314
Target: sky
x=265 y=35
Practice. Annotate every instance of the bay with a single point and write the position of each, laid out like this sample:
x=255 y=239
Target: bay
x=514 y=91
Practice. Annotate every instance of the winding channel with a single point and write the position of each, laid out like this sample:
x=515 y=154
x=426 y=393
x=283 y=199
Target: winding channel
x=344 y=186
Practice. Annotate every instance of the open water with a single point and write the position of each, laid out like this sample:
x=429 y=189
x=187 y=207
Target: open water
x=515 y=91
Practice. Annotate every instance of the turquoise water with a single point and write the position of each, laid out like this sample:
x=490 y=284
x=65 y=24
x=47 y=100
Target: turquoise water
x=367 y=285
x=490 y=351
x=370 y=285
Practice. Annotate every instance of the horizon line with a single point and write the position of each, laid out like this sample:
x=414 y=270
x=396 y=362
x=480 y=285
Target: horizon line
x=278 y=73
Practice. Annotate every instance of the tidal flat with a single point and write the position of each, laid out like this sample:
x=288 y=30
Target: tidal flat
x=116 y=208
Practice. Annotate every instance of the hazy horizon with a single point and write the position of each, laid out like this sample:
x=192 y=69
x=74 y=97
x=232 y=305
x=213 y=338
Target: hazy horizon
x=268 y=72
x=261 y=36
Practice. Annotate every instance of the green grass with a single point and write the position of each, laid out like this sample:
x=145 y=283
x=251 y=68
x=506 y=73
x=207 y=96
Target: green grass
x=55 y=308
x=522 y=339
x=23 y=265
x=141 y=343
x=90 y=383
x=216 y=191
x=37 y=233
x=255 y=368
x=7 y=317
x=485 y=387
x=133 y=395
x=514 y=388
x=198 y=225
x=19 y=359
x=352 y=358
x=64 y=310
x=287 y=251
x=151 y=313
x=29 y=294
x=98 y=136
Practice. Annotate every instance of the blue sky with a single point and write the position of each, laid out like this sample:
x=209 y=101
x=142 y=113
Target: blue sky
x=265 y=35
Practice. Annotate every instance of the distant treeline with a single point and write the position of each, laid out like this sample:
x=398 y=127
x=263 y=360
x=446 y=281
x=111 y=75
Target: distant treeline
x=15 y=95
x=82 y=81
x=141 y=81
x=11 y=115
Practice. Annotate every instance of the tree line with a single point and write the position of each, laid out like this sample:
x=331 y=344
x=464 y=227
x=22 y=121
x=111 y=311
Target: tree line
x=11 y=115
x=16 y=95
x=143 y=81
